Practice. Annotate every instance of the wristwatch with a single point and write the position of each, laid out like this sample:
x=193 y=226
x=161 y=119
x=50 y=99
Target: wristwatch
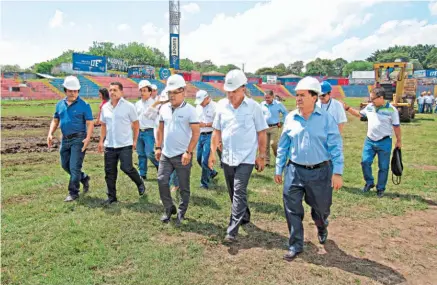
x=190 y=153
x=263 y=156
x=158 y=147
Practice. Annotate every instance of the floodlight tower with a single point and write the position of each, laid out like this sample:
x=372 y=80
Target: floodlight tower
x=174 y=21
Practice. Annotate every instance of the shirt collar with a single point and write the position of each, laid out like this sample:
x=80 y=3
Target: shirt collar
x=74 y=102
x=317 y=110
x=180 y=106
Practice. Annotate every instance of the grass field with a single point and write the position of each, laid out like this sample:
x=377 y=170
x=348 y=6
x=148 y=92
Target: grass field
x=392 y=240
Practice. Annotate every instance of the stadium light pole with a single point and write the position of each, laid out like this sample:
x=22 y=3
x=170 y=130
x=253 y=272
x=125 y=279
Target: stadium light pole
x=174 y=29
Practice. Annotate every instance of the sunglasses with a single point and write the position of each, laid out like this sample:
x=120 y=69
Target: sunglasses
x=323 y=95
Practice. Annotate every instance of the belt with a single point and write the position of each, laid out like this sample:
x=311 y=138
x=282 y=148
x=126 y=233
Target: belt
x=310 y=167
x=205 y=133
x=273 y=125
x=379 y=140
x=145 y=130
x=75 y=135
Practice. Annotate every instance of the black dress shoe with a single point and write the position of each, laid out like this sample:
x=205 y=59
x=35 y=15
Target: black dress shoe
x=291 y=255
x=245 y=222
x=367 y=187
x=141 y=189
x=166 y=217
x=380 y=193
x=179 y=219
x=144 y=178
x=86 y=184
x=323 y=236
x=110 y=201
x=71 y=198
x=214 y=175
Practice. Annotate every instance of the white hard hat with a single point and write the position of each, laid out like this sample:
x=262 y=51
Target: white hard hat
x=234 y=80
x=200 y=96
x=309 y=83
x=163 y=96
x=154 y=87
x=144 y=83
x=71 y=83
x=174 y=82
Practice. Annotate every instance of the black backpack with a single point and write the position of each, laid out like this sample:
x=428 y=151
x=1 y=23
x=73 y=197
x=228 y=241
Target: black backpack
x=396 y=166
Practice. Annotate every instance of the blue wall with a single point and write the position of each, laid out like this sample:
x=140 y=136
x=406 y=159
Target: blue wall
x=355 y=90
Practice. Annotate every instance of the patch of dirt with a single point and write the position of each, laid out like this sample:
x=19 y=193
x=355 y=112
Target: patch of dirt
x=388 y=250
x=28 y=144
x=19 y=199
x=424 y=167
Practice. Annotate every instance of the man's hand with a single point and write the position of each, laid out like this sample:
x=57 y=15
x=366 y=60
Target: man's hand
x=211 y=160
x=186 y=158
x=86 y=142
x=278 y=179
x=279 y=125
x=100 y=147
x=337 y=181
x=158 y=154
x=398 y=144
x=134 y=145
x=259 y=163
x=49 y=140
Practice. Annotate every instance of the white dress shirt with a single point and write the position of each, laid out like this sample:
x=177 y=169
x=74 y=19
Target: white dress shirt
x=142 y=106
x=118 y=121
x=206 y=115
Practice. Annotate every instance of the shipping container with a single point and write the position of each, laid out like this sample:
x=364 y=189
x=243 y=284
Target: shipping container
x=332 y=81
x=343 y=81
x=363 y=74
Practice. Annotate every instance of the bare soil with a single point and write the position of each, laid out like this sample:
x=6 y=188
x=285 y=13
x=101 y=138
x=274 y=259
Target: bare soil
x=26 y=142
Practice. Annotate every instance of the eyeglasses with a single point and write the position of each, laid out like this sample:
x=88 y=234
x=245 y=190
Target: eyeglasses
x=373 y=99
x=323 y=95
x=176 y=92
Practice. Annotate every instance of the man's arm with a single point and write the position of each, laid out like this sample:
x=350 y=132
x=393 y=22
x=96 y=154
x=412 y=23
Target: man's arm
x=159 y=137
x=102 y=136
x=195 y=134
x=53 y=126
x=136 y=129
x=397 y=130
x=340 y=128
x=89 y=133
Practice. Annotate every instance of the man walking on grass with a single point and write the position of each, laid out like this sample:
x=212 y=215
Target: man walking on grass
x=177 y=137
x=118 y=138
x=76 y=120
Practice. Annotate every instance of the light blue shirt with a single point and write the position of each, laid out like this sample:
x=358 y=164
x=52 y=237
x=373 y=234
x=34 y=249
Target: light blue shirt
x=272 y=112
x=310 y=142
x=239 y=129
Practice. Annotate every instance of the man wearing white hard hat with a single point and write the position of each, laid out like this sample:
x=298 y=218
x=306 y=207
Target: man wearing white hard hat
x=206 y=112
x=75 y=118
x=240 y=125
x=146 y=138
x=310 y=151
x=178 y=134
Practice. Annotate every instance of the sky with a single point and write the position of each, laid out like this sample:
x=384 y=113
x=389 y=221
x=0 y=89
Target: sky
x=254 y=33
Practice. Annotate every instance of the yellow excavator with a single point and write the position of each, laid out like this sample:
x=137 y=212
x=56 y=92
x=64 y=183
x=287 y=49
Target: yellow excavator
x=399 y=90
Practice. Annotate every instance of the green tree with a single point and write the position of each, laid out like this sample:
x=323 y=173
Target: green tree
x=357 y=65
x=226 y=68
x=265 y=71
x=44 y=67
x=431 y=59
x=295 y=67
x=338 y=65
x=320 y=67
x=11 y=68
x=186 y=64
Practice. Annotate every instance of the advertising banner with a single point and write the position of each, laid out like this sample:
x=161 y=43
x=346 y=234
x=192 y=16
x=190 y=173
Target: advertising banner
x=174 y=51
x=91 y=63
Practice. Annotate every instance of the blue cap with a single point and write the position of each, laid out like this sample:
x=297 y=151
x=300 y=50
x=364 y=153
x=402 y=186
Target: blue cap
x=326 y=87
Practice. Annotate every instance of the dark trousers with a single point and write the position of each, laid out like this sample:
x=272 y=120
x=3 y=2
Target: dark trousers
x=237 y=179
x=112 y=156
x=167 y=166
x=71 y=160
x=315 y=186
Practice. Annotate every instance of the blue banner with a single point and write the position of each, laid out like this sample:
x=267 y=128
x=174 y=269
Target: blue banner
x=141 y=71
x=164 y=73
x=431 y=73
x=91 y=63
x=174 y=51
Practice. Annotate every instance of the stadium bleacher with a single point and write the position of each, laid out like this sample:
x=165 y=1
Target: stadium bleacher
x=212 y=91
x=254 y=91
x=87 y=87
x=130 y=87
x=291 y=88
